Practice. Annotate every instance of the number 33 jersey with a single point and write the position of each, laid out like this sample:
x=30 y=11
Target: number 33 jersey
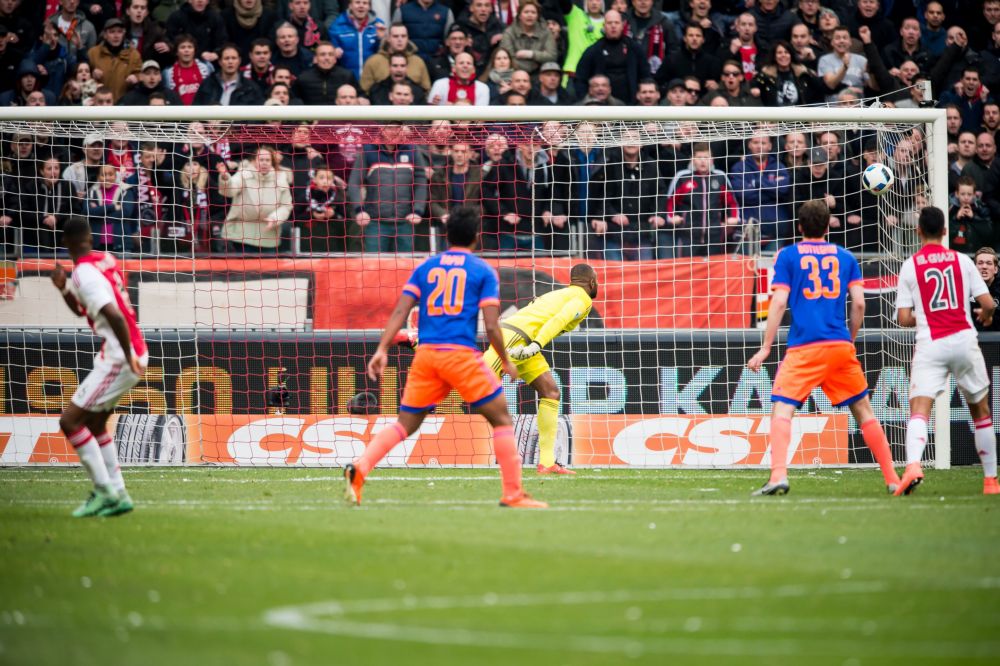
x=938 y=283
x=97 y=281
x=817 y=276
x=451 y=288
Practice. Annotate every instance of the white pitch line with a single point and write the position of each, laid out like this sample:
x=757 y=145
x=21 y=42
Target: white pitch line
x=331 y=617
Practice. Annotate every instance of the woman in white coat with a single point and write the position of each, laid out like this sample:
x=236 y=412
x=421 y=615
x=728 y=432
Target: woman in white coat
x=261 y=203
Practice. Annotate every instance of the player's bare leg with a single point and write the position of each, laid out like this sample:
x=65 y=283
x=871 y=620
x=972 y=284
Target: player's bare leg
x=74 y=424
x=505 y=450
x=548 y=424
x=98 y=424
x=386 y=440
x=875 y=440
x=779 y=438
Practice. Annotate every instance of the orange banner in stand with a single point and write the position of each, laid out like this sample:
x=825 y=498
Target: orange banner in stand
x=360 y=292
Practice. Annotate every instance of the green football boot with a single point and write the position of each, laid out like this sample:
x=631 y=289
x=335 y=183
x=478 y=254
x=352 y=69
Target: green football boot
x=95 y=503
x=123 y=505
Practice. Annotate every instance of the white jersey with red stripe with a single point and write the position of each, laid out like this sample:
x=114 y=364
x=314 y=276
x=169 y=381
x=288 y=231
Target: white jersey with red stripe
x=97 y=281
x=937 y=283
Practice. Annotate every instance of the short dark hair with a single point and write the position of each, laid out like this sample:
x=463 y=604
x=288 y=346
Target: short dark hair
x=582 y=272
x=701 y=147
x=184 y=38
x=229 y=46
x=965 y=180
x=691 y=25
x=463 y=226
x=77 y=228
x=931 y=222
x=814 y=218
x=260 y=41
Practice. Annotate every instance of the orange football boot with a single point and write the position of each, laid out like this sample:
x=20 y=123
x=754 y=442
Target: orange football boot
x=353 y=483
x=555 y=469
x=990 y=486
x=522 y=501
x=912 y=477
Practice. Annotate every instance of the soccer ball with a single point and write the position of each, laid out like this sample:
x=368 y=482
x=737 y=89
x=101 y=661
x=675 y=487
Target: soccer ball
x=877 y=178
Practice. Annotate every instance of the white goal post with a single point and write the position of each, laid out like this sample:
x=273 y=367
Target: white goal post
x=647 y=372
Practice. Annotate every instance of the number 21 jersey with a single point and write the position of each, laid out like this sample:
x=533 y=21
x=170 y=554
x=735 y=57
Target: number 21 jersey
x=937 y=283
x=817 y=276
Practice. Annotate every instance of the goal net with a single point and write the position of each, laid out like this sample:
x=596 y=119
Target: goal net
x=264 y=251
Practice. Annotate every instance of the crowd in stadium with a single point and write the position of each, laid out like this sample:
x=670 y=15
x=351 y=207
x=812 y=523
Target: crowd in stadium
x=354 y=187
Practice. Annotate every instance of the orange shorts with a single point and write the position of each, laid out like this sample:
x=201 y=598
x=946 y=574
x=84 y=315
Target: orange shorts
x=437 y=369
x=833 y=366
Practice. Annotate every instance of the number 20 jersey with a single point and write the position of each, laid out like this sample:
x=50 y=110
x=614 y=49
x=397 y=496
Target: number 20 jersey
x=451 y=288
x=817 y=276
x=938 y=283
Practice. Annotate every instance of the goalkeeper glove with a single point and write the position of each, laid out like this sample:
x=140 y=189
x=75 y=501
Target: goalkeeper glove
x=524 y=352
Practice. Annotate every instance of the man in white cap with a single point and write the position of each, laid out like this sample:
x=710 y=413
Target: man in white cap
x=150 y=81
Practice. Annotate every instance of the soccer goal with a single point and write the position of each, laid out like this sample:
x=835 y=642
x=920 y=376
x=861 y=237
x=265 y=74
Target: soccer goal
x=265 y=246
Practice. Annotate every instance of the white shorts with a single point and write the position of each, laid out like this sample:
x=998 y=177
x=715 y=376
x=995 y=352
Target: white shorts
x=958 y=354
x=104 y=386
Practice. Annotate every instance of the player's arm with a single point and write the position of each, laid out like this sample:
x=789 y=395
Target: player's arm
x=491 y=322
x=58 y=277
x=775 y=312
x=553 y=328
x=377 y=363
x=119 y=327
x=906 y=318
x=986 y=310
x=904 y=295
x=857 y=316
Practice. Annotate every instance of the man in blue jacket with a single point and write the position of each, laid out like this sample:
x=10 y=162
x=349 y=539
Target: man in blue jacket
x=763 y=189
x=357 y=34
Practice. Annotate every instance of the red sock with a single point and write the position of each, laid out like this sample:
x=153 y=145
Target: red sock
x=874 y=436
x=377 y=449
x=510 y=463
x=780 y=436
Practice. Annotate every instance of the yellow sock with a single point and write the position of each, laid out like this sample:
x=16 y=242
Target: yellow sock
x=548 y=424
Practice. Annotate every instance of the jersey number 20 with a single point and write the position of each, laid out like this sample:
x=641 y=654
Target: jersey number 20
x=817 y=289
x=448 y=295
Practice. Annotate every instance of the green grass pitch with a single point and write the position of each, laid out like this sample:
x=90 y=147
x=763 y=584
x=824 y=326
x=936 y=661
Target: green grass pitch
x=267 y=566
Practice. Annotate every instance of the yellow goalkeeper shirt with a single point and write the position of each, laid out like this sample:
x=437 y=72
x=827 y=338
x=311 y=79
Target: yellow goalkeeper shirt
x=552 y=314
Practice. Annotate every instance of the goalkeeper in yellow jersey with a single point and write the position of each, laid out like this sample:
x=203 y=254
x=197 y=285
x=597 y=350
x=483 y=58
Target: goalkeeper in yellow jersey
x=527 y=332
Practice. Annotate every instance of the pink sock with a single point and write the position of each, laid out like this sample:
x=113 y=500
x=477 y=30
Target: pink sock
x=510 y=463
x=377 y=449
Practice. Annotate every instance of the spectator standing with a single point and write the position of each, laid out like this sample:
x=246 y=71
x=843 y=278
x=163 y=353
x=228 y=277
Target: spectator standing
x=10 y=60
x=81 y=175
x=144 y=34
x=784 y=82
x=318 y=85
x=969 y=225
x=691 y=60
x=842 y=69
x=323 y=12
x=50 y=57
x=115 y=64
x=398 y=66
x=460 y=183
x=969 y=98
x=397 y=41
x=583 y=28
x=146 y=197
x=203 y=23
x=907 y=47
x=820 y=183
x=484 y=29
x=979 y=167
x=550 y=89
x=299 y=14
x=261 y=203
x=734 y=89
x=599 y=93
x=76 y=33
x=498 y=74
x=745 y=47
x=247 y=21
x=393 y=179
x=104 y=212
x=774 y=22
x=700 y=211
x=627 y=203
x=762 y=187
x=933 y=33
x=964 y=155
x=259 y=69
x=187 y=73
x=226 y=87
x=150 y=81
x=356 y=33
x=428 y=22
x=648 y=93
x=528 y=40
x=869 y=13
x=616 y=56
x=290 y=53
x=653 y=31
x=52 y=202
x=461 y=87
x=458 y=41
x=803 y=44
x=987 y=264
